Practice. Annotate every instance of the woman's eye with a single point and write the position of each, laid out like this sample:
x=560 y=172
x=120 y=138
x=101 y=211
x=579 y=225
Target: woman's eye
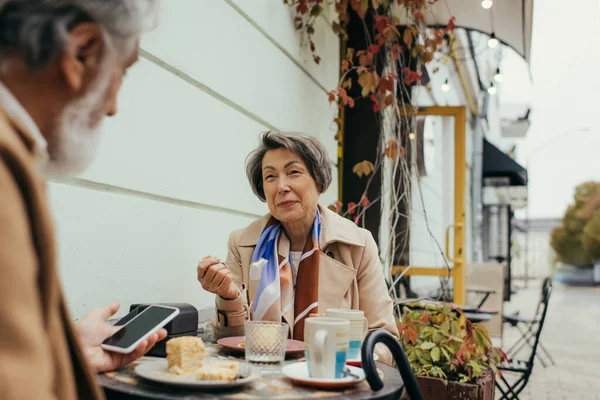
x=269 y=177
x=295 y=172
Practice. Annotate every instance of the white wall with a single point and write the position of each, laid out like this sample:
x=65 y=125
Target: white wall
x=169 y=184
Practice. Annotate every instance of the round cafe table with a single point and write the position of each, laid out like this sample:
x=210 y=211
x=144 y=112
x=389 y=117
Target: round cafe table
x=124 y=384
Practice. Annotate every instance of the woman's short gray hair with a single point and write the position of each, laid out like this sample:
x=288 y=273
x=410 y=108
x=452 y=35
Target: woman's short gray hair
x=308 y=148
x=37 y=30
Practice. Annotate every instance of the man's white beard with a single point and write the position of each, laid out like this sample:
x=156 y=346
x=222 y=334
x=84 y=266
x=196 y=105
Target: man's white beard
x=73 y=145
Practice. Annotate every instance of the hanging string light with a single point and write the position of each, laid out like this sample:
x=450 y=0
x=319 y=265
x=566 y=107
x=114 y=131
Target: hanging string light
x=492 y=89
x=492 y=42
x=498 y=77
x=487 y=4
x=445 y=86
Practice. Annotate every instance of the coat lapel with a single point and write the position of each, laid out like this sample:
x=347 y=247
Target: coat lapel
x=334 y=277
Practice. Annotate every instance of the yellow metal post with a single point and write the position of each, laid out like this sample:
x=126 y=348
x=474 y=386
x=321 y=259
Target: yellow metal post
x=458 y=270
x=460 y=165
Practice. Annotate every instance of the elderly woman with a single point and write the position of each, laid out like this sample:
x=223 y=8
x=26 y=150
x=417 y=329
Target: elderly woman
x=300 y=259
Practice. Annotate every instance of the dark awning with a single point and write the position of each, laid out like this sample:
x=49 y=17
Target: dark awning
x=496 y=164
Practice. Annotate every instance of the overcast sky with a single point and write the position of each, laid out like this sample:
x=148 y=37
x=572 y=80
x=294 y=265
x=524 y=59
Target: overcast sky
x=565 y=65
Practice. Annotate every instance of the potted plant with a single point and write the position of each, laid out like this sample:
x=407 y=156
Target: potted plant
x=451 y=357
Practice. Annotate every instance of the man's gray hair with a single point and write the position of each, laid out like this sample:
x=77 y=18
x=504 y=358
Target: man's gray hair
x=37 y=29
x=308 y=148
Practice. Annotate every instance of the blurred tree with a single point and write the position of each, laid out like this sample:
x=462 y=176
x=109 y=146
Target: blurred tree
x=577 y=240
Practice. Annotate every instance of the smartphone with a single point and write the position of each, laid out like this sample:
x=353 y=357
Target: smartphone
x=139 y=328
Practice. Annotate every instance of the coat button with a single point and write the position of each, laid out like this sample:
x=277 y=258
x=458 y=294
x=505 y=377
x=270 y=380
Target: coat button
x=330 y=254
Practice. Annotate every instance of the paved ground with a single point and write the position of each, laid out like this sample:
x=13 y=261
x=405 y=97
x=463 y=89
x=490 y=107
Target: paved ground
x=572 y=335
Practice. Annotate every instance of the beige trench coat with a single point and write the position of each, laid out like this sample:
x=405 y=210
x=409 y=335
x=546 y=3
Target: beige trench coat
x=350 y=275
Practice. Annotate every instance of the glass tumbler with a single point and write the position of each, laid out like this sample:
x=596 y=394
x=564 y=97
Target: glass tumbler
x=266 y=341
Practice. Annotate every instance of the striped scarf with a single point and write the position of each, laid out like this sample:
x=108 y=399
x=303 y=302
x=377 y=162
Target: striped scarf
x=275 y=298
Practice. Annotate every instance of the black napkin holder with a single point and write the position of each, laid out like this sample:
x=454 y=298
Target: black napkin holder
x=184 y=324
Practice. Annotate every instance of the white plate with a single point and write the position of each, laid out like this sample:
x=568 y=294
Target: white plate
x=298 y=373
x=157 y=371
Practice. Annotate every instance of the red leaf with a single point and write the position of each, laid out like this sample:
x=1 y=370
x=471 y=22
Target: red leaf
x=317 y=59
x=396 y=51
x=373 y=48
x=352 y=208
x=312 y=46
x=381 y=22
x=350 y=102
x=375 y=105
x=386 y=84
x=419 y=17
x=364 y=201
x=451 y=24
x=331 y=96
x=409 y=76
x=302 y=8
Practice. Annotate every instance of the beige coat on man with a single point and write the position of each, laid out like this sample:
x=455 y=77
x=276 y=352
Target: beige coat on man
x=350 y=275
x=40 y=357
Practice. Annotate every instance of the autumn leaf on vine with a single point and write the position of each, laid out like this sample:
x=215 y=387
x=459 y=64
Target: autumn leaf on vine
x=317 y=59
x=331 y=96
x=388 y=101
x=373 y=49
x=386 y=83
x=419 y=17
x=408 y=37
x=381 y=22
x=302 y=8
x=364 y=201
x=352 y=208
x=316 y=10
x=375 y=105
x=391 y=150
x=367 y=81
x=363 y=168
x=409 y=76
x=345 y=65
x=364 y=58
x=451 y=24
x=396 y=49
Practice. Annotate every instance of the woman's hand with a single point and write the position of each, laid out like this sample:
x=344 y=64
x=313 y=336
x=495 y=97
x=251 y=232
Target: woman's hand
x=215 y=277
x=93 y=329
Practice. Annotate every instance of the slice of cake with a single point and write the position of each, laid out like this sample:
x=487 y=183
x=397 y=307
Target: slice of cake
x=219 y=371
x=185 y=355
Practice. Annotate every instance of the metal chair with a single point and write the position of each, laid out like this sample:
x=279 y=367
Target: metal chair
x=410 y=381
x=523 y=369
x=526 y=327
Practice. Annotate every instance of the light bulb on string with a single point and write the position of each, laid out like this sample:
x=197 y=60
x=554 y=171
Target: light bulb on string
x=492 y=42
x=498 y=77
x=487 y=4
x=492 y=89
x=411 y=136
x=445 y=86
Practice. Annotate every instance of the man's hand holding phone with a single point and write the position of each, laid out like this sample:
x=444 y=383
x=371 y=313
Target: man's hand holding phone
x=93 y=329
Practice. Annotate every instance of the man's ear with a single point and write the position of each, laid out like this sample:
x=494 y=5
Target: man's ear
x=82 y=54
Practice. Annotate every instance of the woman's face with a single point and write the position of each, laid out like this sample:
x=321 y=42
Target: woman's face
x=290 y=190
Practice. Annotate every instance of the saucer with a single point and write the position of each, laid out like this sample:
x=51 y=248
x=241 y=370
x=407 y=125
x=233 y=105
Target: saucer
x=298 y=373
x=357 y=362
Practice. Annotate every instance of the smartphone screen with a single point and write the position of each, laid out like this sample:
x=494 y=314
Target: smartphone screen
x=132 y=314
x=139 y=326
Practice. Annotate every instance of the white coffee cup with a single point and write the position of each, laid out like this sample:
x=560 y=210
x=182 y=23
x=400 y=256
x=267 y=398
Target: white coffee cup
x=359 y=326
x=326 y=341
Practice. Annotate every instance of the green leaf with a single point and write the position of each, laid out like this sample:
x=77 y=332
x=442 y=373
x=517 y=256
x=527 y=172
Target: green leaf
x=446 y=354
x=435 y=354
x=445 y=327
x=427 y=345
